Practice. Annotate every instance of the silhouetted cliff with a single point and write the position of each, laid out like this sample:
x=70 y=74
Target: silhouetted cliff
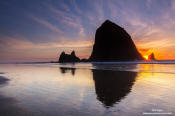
x=68 y=57
x=113 y=43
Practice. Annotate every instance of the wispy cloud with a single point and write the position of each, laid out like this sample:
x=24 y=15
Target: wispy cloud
x=173 y=5
x=151 y=24
x=46 y=23
x=20 y=42
x=19 y=48
x=76 y=7
x=70 y=20
x=99 y=9
x=65 y=6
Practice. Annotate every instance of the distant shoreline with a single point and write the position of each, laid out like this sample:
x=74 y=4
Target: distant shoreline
x=118 y=62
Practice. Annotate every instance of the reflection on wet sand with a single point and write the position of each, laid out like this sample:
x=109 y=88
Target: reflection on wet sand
x=45 y=90
x=3 y=80
x=8 y=107
x=112 y=86
x=64 y=70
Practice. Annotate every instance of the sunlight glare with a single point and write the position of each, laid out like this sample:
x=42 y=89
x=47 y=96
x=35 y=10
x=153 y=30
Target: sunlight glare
x=146 y=57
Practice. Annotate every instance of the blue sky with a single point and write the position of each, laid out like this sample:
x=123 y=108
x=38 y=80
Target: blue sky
x=39 y=30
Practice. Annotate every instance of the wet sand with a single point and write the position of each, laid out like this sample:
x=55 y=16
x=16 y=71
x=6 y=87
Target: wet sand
x=7 y=104
x=86 y=89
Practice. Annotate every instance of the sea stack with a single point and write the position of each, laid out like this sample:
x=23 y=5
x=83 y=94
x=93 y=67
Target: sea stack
x=113 y=43
x=151 y=57
x=68 y=57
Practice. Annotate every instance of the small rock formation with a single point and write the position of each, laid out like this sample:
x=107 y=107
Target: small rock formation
x=68 y=57
x=113 y=43
x=151 y=57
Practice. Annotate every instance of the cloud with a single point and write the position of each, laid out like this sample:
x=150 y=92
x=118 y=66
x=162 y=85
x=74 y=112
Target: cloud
x=70 y=20
x=47 y=24
x=148 y=3
x=173 y=5
x=144 y=49
x=151 y=24
x=99 y=9
x=20 y=42
x=76 y=7
x=19 y=48
x=65 y=6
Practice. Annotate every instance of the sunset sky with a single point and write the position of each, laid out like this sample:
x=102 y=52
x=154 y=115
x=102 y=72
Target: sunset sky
x=39 y=30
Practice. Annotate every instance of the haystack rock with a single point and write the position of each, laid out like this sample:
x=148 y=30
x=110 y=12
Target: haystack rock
x=113 y=43
x=68 y=57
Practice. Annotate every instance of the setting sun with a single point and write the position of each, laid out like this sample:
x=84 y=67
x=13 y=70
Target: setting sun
x=146 y=57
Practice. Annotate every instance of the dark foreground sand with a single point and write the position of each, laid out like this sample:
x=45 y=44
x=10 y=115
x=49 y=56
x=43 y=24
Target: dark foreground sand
x=3 y=80
x=7 y=104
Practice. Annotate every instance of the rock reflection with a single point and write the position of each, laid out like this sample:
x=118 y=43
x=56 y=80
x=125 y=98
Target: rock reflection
x=65 y=70
x=3 y=80
x=112 y=86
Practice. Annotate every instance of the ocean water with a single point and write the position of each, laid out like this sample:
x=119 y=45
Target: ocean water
x=87 y=89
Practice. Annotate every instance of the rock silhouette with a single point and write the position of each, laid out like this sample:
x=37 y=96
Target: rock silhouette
x=68 y=57
x=113 y=43
x=151 y=57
